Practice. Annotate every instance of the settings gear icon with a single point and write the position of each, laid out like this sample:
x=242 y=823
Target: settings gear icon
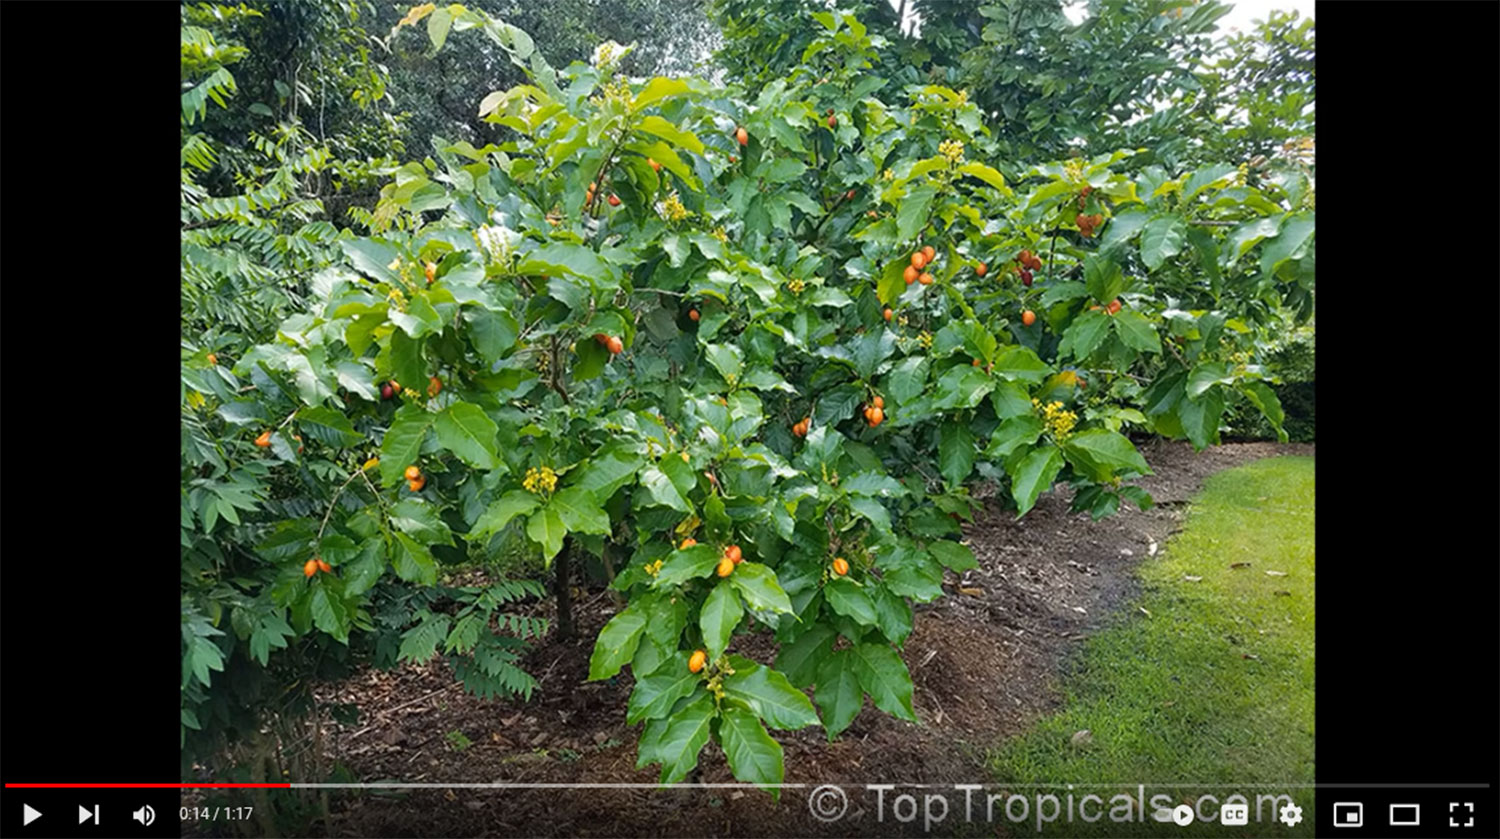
x=1291 y=815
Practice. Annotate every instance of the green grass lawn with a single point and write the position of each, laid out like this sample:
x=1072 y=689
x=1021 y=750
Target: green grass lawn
x=1200 y=682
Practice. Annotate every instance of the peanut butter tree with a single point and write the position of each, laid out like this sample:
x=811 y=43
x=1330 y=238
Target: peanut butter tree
x=751 y=349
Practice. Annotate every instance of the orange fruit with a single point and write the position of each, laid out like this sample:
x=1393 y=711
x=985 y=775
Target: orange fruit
x=614 y=200
x=655 y=167
x=434 y=386
x=879 y=401
x=323 y=566
x=310 y=568
x=602 y=339
x=693 y=315
x=299 y=443
x=416 y=486
x=213 y=359
x=910 y=274
x=697 y=660
x=742 y=136
x=877 y=416
x=849 y=196
x=1026 y=257
x=981 y=269
x=833 y=121
x=918 y=260
x=430 y=269
x=1028 y=317
x=925 y=278
x=726 y=567
x=616 y=346
x=264 y=440
x=688 y=543
x=734 y=553
x=412 y=472
x=888 y=313
x=1114 y=306
x=840 y=566
x=930 y=252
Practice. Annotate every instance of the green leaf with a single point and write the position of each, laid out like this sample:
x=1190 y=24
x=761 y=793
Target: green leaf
x=1085 y=335
x=758 y=585
x=608 y=470
x=617 y=642
x=328 y=426
x=892 y=612
x=413 y=562
x=1295 y=231
x=370 y=257
x=683 y=565
x=1200 y=418
x=492 y=333
x=955 y=452
x=420 y=520
x=658 y=89
x=1021 y=364
x=1101 y=453
x=419 y=319
x=556 y=258
x=769 y=695
x=1162 y=239
x=753 y=756
x=1123 y=227
x=908 y=378
x=1204 y=177
x=839 y=693
x=850 y=600
x=203 y=655
x=1103 y=277
x=726 y=358
x=985 y=173
x=580 y=512
x=655 y=694
x=686 y=733
x=721 y=614
x=1018 y=431
x=1033 y=475
x=913 y=213
x=517 y=502
x=884 y=677
x=662 y=491
x=955 y=556
x=654 y=124
x=892 y=282
x=545 y=527
x=464 y=429
x=1265 y=399
x=799 y=659
x=1205 y=376
x=872 y=510
x=1137 y=332
x=403 y=442
x=329 y=614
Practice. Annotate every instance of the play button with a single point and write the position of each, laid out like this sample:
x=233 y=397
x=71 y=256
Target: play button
x=29 y=814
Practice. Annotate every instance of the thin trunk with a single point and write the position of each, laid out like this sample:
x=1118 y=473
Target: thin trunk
x=563 y=568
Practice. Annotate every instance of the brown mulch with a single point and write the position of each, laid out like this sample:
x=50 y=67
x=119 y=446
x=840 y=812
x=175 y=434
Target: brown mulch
x=985 y=660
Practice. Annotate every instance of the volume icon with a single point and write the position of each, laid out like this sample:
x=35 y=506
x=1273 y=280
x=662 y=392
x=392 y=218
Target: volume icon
x=145 y=815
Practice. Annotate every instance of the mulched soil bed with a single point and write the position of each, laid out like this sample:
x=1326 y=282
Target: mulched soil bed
x=986 y=663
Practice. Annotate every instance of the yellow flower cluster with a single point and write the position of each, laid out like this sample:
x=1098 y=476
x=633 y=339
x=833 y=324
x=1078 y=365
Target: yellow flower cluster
x=795 y=286
x=952 y=149
x=653 y=568
x=888 y=175
x=720 y=234
x=540 y=480
x=672 y=209
x=1242 y=174
x=1073 y=169
x=925 y=339
x=616 y=90
x=1058 y=421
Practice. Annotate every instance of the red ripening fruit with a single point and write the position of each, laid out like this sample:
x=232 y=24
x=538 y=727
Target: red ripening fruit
x=386 y=391
x=310 y=568
x=849 y=196
x=910 y=274
x=840 y=566
x=742 y=136
x=918 y=260
x=693 y=315
x=264 y=440
x=434 y=386
x=616 y=346
x=324 y=567
x=1114 y=306
x=1028 y=317
x=888 y=313
x=734 y=553
x=981 y=269
x=925 y=278
x=602 y=339
x=412 y=472
x=1026 y=257
x=614 y=200
x=833 y=121
x=733 y=159
x=416 y=486
x=1084 y=221
x=689 y=542
x=930 y=252
x=1026 y=277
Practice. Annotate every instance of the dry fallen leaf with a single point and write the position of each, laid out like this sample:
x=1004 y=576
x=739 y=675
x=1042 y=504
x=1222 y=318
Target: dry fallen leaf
x=1275 y=573
x=1239 y=565
x=1151 y=551
x=1251 y=656
x=1282 y=593
x=1189 y=578
x=1080 y=610
x=1126 y=552
x=1082 y=738
x=972 y=592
